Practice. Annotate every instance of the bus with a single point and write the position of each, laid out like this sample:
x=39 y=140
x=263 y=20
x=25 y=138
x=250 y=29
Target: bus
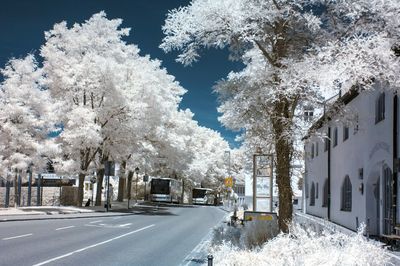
x=203 y=196
x=166 y=190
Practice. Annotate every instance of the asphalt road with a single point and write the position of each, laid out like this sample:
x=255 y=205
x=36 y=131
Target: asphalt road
x=163 y=236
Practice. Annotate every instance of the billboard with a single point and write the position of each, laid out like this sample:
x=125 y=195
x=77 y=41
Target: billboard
x=262 y=182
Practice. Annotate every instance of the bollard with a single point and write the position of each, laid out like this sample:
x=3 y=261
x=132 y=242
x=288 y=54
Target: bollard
x=210 y=260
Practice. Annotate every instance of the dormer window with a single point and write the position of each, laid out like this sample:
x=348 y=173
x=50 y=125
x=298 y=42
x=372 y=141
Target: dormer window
x=308 y=114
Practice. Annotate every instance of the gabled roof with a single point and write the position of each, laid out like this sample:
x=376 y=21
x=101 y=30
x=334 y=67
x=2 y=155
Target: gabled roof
x=330 y=110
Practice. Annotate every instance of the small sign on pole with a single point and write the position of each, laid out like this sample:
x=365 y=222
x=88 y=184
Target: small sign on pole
x=228 y=181
x=109 y=168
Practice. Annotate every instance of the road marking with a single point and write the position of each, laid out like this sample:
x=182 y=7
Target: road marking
x=115 y=218
x=13 y=237
x=94 y=245
x=62 y=228
x=122 y=225
x=98 y=221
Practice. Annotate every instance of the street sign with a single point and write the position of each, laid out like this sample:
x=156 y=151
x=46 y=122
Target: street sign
x=260 y=216
x=145 y=178
x=109 y=168
x=228 y=181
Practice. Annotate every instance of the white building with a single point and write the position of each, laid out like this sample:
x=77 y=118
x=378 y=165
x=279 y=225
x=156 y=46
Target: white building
x=349 y=176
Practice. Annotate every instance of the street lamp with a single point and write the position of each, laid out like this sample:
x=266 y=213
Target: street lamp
x=145 y=179
x=137 y=177
x=92 y=181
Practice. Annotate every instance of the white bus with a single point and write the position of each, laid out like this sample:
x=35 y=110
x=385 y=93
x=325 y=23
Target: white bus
x=166 y=190
x=203 y=196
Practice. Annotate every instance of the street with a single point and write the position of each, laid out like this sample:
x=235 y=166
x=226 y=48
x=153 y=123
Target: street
x=157 y=236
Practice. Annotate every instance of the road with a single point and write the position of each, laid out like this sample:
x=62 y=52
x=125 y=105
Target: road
x=155 y=236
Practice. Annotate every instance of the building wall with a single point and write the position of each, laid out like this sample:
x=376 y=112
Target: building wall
x=317 y=172
x=369 y=148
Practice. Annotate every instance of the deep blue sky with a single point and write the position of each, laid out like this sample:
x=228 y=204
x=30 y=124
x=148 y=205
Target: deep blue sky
x=23 y=22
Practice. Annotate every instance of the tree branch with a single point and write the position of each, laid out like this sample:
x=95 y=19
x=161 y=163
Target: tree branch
x=265 y=53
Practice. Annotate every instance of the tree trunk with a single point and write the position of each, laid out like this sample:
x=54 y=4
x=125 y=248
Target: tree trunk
x=283 y=152
x=282 y=124
x=129 y=186
x=80 y=189
x=99 y=185
x=121 y=183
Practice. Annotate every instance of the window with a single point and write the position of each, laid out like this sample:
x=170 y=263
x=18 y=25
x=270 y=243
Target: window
x=346 y=195
x=316 y=149
x=356 y=125
x=325 y=194
x=345 y=133
x=306 y=189
x=308 y=114
x=312 y=195
x=326 y=142
x=316 y=192
x=380 y=108
x=335 y=136
x=312 y=150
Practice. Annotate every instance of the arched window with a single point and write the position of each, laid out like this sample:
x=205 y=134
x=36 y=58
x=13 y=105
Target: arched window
x=380 y=108
x=312 y=195
x=335 y=136
x=325 y=194
x=346 y=194
x=312 y=151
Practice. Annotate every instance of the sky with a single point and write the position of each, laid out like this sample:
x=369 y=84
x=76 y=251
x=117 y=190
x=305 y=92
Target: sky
x=23 y=23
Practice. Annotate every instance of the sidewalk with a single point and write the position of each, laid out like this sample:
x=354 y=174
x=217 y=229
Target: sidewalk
x=70 y=212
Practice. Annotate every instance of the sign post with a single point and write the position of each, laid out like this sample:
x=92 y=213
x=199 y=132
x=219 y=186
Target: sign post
x=109 y=169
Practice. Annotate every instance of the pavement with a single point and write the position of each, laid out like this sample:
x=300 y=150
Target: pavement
x=71 y=212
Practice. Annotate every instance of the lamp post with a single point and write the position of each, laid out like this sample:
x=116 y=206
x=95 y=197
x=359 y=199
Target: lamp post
x=137 y=177
x=145 y=179
x=29 y=171
x=92 y=181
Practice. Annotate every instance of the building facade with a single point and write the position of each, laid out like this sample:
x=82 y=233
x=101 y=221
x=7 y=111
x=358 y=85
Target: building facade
x=351 y=163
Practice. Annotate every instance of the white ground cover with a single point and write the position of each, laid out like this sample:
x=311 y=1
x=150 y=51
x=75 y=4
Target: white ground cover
x=304 y=247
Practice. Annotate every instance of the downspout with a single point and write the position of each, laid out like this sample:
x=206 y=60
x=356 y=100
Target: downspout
x=395 y=158
x=329 y=173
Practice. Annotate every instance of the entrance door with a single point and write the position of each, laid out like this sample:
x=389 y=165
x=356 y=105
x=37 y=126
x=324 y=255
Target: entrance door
x=388 y=202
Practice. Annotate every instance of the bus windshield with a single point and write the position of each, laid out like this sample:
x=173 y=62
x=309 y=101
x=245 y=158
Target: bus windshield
x=199 y=193
x=159 y=186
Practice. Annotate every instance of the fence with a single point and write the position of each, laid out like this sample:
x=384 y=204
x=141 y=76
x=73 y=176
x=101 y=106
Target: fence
x=49 y=196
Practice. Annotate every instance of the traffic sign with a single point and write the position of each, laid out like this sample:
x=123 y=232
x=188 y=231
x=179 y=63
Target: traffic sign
x=228 y=181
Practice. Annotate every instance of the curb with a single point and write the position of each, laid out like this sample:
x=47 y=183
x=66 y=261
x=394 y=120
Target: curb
x=33 y=217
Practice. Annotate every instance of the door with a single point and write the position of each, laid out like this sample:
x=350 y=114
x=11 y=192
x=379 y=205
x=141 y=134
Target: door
x=387 y=201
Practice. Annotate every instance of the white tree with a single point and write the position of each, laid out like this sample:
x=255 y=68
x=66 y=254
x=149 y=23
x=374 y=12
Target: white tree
x=26 y=119
x=286 y=47
x=79 y=63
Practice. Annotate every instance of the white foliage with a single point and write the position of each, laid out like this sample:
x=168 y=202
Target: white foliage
x=303 y=247
x=25 y=116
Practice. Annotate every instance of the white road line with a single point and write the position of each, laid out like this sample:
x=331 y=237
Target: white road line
x=116 y=218
x=92 y=246
x=98 y=221
x=62 y=228
x=13 y=237
x=122 y=225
